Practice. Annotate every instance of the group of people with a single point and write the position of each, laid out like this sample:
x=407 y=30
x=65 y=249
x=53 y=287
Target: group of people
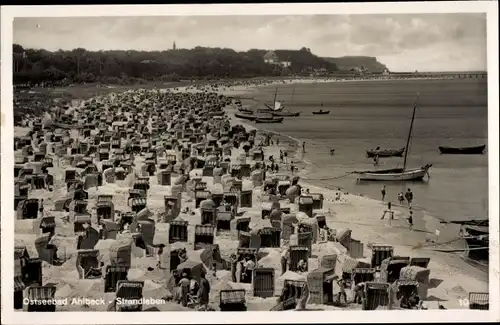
x=188 y=290
x=247 y=266
x=402 y=197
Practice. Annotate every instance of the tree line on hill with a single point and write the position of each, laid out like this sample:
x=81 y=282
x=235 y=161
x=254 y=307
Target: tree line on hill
x=35 y=66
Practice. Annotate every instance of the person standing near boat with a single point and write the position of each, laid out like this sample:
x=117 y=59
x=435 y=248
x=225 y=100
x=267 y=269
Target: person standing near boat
x=409 y=197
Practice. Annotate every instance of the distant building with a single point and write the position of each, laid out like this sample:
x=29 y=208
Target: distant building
x=271 y=58
x=174 y=47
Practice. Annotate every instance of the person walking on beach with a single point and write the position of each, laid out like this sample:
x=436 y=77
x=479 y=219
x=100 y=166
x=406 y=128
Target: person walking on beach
x=184 y=284
x=281 y=156
x=410 y=219
x=409 y=197
x=383 y=193
x=388 y=211
x=292 y=168
x=204 y=292
x=40 y=209
x=277 y=142
x=285 y=157
x=303 y=147
x=159 y=254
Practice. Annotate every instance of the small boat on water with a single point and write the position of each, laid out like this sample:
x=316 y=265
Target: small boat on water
x=476 y=150
x=269 y=120
x=384 y=153
x=246 y=116
x=285 y=114
x=398 y=174
x=321 y=112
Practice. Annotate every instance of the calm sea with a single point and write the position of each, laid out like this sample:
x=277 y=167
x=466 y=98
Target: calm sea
x=367 y=114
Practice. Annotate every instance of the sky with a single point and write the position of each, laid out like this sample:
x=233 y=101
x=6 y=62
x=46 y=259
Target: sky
x=404 y=42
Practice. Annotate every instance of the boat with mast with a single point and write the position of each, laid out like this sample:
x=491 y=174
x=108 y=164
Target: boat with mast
x=398 y=174
x=286 y=114
x=276 y=105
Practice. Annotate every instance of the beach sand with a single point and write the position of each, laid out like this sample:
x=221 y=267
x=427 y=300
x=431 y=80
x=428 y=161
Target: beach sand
x=451 y=277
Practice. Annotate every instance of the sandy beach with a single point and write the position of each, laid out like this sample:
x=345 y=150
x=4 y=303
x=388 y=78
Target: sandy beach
x=451 y=278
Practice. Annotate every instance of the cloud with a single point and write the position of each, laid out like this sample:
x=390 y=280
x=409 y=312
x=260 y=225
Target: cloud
x=401 y=41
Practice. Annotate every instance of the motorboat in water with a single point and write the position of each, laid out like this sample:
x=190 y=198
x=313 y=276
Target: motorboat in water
x=476 y=150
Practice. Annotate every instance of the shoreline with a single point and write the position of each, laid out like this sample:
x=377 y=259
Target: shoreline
x=298 y=142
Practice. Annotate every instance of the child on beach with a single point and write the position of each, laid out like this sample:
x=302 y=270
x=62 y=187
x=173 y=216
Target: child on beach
x=401 y=198
x=410 y=219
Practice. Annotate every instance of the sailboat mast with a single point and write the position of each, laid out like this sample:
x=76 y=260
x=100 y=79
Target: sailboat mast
x=409 y=133
x=293 y=92
x=275 y=94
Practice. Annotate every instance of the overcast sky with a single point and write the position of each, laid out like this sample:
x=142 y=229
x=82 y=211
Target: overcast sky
x=426 y=42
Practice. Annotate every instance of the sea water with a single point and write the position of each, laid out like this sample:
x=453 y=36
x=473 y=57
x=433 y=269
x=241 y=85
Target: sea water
x=367 y=114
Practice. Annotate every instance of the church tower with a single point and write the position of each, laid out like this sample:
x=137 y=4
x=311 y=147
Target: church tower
x=174 y=47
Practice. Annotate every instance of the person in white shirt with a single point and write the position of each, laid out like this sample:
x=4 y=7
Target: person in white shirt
x=284 y=260
x=249 y=267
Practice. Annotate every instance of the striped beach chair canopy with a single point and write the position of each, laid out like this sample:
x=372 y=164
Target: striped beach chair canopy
x=235 y=296
x=105 y=198
x=139 y=201
x=204 y=230
x=41 y=293
x=129 y=289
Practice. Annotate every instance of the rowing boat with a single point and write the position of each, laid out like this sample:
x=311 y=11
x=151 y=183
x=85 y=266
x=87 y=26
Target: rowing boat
x=385 y=153
x=320 y=112
x=269 y=120
x=477 y=150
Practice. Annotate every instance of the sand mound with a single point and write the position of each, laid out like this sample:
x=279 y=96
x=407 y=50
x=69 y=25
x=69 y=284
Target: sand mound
x=272 y=259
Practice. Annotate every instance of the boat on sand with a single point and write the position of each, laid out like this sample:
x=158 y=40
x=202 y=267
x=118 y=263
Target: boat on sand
x=286 y=114
x=476 y=150
x=246 y=116
x=269 y=120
